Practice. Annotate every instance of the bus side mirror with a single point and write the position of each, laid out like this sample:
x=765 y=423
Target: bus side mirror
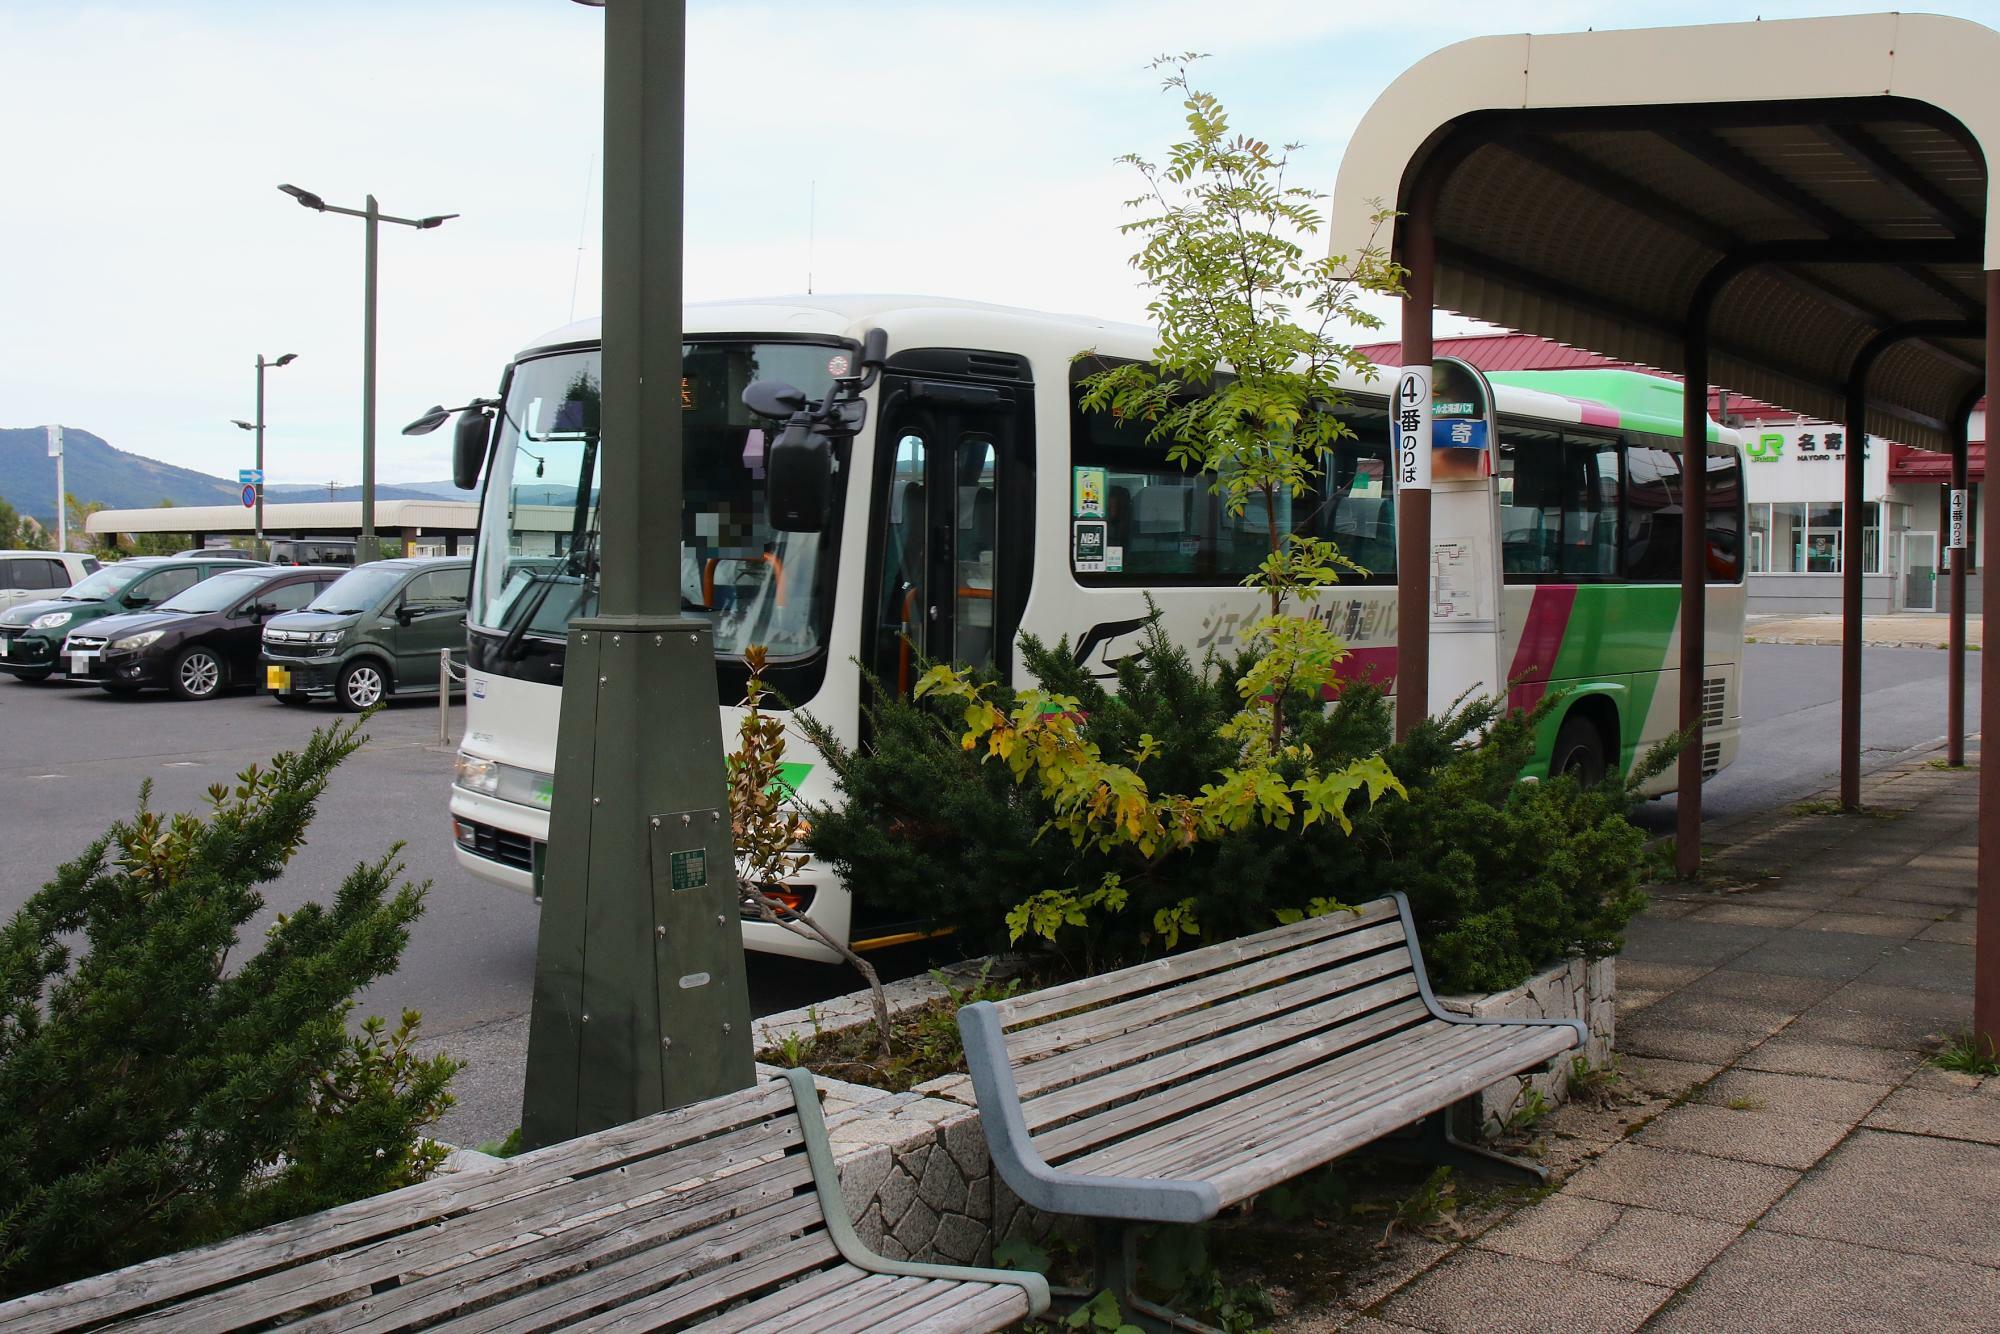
x=798 y=479
x=468 y=448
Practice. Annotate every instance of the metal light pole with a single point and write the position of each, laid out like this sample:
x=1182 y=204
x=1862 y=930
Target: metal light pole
x=641 y=1001
x=366 y=549
x=258 y=426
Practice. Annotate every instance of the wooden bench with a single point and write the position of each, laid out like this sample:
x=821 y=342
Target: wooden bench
x=726 y=1215
x=1165 y=1092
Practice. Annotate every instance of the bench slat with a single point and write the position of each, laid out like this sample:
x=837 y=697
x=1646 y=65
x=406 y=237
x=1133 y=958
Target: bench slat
x=1273 y=1111
x=770 y=1246
x=1025 y=1046
x=1285 y=1004
x=877 y=1308
x=1109 y=987
x=281 y=1245
x=910 y=1307
x=564 y=1215
x=660 y=1226
x=1244 y=1176
x=990 y=1306
x=1121 y=1118
x=768 y=1310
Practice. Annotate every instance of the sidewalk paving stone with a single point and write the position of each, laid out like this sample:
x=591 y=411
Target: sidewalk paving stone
x=1864 y=923
x=1791 y=1053
x=1909 y=1193
x=1928 y=965
x=1683 y=1183
x=1965 y=1116
x=1802 y=1096
x=1744 y=1135
x=1769 y=1282
x=1657 y=1247
x=1480 y=1292
x=1689 y=941
x=1954 y=932
x=1834 y=954
x=1871 y=1015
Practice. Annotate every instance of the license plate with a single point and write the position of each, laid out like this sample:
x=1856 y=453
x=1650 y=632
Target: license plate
x=277 y=678
x=6 y=647
x=79 y=663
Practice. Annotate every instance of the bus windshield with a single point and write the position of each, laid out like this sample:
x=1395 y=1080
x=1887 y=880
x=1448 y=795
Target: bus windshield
x=538 y=558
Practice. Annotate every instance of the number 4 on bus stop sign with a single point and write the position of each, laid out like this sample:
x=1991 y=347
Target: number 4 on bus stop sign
x=1413 y=414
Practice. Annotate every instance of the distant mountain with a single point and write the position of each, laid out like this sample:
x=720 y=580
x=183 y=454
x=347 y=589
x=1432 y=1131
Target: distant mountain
x=294 y=492
x=94 y=470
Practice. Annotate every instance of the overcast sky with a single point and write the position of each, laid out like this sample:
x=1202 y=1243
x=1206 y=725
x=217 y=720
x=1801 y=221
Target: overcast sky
x=960 y=149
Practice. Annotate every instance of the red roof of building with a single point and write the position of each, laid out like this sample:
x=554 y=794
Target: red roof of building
x=1532 y=352
x=1921 y=465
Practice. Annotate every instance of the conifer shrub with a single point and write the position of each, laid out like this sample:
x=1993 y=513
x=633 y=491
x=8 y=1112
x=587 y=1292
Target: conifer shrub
x=157 y=1094
x=1504 y=877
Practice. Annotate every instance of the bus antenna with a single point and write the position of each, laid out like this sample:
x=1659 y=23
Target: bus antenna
x=576 y=275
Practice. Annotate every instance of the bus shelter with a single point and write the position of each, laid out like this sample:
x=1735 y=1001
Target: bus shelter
x=1797 y=210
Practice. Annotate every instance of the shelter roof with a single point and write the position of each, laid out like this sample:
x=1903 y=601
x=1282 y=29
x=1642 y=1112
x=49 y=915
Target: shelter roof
x=315 y=516
x=1590 y=183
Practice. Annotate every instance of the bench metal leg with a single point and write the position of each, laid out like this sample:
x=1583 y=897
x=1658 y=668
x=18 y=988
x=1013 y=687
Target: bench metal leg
x=1117 y=1273
x=1436 y=1141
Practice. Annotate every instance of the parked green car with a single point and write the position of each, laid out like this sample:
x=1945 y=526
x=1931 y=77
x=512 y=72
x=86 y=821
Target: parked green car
x=376 y=631
x=31 y=632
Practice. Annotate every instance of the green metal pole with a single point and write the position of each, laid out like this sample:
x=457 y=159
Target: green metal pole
x=260 y=452
x=366 y=549
x=641 y=1002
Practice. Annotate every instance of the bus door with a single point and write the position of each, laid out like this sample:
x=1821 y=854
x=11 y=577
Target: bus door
x=952 y=526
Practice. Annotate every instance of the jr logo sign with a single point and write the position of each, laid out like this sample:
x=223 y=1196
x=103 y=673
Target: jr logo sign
x=1767 y=446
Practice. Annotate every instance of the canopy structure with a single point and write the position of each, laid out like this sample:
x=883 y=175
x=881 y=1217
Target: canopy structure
x=1797 y=210
x=410 y=519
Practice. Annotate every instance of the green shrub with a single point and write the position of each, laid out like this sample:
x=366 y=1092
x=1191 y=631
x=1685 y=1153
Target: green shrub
x=1504 y=877
x=152 y=1095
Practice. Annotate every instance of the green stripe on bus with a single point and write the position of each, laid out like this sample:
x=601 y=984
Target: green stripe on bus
x=1620 y=631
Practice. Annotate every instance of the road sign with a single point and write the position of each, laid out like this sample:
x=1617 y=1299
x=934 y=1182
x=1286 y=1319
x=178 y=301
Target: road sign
x=249 y=497
x=1413 y=429
x=250 y=476
x=1956 y=531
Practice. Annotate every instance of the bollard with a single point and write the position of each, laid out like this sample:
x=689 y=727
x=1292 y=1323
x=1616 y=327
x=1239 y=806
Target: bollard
x=444 y=697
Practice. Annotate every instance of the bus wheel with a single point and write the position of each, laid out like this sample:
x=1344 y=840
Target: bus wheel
x=1579 y=751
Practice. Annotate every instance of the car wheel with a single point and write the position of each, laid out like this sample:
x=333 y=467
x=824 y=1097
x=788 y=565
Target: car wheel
x=1579 y=751
x=197 y=674
x=362 y=686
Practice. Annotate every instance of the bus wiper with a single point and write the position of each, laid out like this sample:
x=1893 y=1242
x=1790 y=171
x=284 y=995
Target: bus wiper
x=510 y=647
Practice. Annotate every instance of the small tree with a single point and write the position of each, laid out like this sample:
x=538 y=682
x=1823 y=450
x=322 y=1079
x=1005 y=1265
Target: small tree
x=1245 y=380
x=766 y=828
x=154 y=1098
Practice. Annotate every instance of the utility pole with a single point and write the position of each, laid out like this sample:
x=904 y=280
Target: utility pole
x=258 y=426
x=62 y=492
x=371 y=216
x=641 y=1002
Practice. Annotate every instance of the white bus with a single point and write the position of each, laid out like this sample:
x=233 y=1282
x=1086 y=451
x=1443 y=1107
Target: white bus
x=978 y=503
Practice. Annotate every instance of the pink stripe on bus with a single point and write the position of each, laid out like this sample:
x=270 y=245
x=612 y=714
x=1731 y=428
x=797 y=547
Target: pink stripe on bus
x=1541 y=640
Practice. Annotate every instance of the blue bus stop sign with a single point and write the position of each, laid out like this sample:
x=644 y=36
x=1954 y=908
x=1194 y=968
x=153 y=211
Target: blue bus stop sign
x=249 y=497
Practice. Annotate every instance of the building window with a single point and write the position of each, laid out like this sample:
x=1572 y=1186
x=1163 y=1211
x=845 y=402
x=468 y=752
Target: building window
x=1760 y=539
x=1822 y=539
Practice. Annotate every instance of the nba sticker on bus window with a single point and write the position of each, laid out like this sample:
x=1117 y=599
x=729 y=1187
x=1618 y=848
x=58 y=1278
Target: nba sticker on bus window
x=1087 y=546
x=1089 y=493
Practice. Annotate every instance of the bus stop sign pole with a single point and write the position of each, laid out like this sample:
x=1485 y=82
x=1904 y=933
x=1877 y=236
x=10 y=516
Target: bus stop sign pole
x=641 y=1002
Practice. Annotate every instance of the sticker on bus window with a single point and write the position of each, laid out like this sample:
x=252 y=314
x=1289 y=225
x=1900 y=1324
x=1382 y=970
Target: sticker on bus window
x=1087 y=546
x=1114 y=560
x=1088 y=493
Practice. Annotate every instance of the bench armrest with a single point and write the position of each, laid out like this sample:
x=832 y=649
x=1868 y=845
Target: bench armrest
x=826 y=1180
x=1023 y=1169
x=1581 y=1029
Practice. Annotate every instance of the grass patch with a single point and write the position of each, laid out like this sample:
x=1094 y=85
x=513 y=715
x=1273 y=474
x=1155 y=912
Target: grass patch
x=1968 y=1055
x=1745 y=1103
x=1597 y=1085
x=503 y=1148
x=1824 y=807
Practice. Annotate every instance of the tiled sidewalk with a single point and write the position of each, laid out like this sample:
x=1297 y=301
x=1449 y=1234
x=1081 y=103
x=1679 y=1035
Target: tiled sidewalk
x=1789 y=1162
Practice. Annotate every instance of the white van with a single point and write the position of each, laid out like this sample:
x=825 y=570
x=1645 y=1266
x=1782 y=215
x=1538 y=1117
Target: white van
x=30 y=576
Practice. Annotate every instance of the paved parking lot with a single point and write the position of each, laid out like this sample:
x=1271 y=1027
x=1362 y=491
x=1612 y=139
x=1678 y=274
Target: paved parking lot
x=72 y=759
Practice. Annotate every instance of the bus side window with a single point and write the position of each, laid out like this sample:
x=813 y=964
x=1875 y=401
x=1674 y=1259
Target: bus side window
x=1725 y=517
x=900 y=620
x=1652 y=515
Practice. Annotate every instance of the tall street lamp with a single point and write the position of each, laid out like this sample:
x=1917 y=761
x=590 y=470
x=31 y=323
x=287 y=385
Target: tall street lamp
x=258 y=426
x=366 y=549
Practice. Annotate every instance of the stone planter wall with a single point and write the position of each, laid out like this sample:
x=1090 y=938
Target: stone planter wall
x=914 y=1168
x=1572 y=990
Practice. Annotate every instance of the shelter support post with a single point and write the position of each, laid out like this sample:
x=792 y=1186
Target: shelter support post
x=1418 y=233
x=1954 y=730
x=1851 y=564
x=1694 y=585
x=1986 y=935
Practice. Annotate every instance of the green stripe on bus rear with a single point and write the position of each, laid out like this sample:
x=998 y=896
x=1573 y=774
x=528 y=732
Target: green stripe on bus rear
x=1618 y=631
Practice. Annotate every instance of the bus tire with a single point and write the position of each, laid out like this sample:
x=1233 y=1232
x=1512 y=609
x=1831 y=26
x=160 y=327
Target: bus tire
x=1579 y=750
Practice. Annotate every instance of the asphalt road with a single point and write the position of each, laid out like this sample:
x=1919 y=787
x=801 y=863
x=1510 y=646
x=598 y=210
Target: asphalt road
x=72 y=760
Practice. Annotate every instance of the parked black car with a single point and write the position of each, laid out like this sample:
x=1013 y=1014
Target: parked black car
x=198 y=642
x=376 y=632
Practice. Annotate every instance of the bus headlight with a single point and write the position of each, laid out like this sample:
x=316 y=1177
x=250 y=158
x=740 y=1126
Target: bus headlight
x=477 y=775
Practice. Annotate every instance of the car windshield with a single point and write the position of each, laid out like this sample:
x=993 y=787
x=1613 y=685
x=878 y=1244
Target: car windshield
x=224 y=590
x=357 y=590
x=106 y=582
x=537 y=566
